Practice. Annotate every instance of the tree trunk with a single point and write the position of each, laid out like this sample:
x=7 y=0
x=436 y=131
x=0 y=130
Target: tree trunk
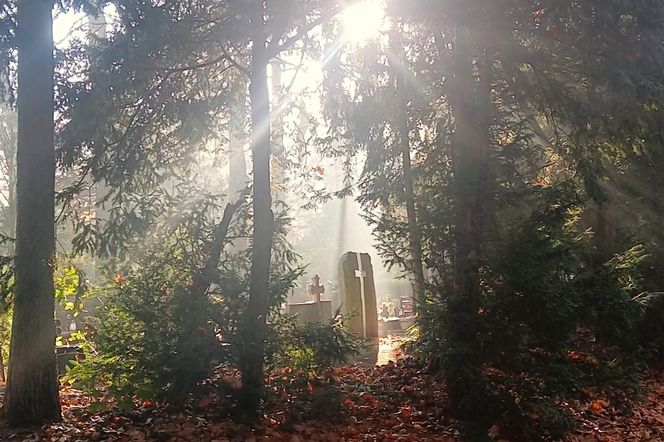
x=208 y=274
x=11 y=208
x=195 y=356
x=8 y=146
x=600 y=217
x=413 y=228
x=254 y=327
x=414 y=235
x=98 y=34
x=469 y=100
x=32 y=390
x=3 y=378
x=238 y=180
x=278 y=159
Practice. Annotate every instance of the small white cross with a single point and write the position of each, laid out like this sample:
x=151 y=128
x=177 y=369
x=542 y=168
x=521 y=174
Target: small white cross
x=360 y=273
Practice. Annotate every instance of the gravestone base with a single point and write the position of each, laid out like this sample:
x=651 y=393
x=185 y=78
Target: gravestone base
x=66 y=354
x=306 y=312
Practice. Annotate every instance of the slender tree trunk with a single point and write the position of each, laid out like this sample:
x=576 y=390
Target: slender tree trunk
x=8 y=143
x=98 y=34
x=194 y=356
x=3 y=378
x=278 y=158
x=601 y=220
x=414 y=235
x=263 y=219
x=11 y=199
x=469 y=101
x=8 y=138
x=238 y=181
x=11 y=209
x=237 y=163
x=32 y=391
x=413 y=228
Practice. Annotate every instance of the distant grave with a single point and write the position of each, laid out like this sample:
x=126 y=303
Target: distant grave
x=358 y=294
x=318 y=310
x=65 y=350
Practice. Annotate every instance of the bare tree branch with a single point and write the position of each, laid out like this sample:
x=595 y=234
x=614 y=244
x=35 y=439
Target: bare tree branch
x=276 y=48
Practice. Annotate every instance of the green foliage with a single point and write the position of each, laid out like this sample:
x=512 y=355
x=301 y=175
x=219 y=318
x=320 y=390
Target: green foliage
x=549 y=325
x=6 y=281
x=171 y=312
x=504 y=171
x=650 y=330
x=5 y=334
x=71 y=287
x=613 y=301
x=326 y=405
x=299 y=359
x=310 y=347
x=560 y=127
x=153 y=338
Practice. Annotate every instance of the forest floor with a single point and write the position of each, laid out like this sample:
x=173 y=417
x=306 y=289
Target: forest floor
x=394 y=400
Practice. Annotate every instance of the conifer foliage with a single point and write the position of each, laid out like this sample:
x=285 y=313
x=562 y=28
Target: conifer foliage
x=508 y=153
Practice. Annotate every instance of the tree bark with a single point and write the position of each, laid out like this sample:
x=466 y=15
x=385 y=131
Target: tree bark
x=254 y=327
x=197 y=354
x=469 y=100
x=278 y=159
x=32 y=390
x=413 y=228
x=3 y=378
x=208 y=273
x=238 y=179
x=203 y=279
x=414 y=235
x=8 y=146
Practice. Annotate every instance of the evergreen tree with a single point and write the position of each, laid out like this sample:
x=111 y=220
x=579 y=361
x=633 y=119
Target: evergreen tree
x=163 y=82
x=263 y=217
x=517 y=107
x=32 y=390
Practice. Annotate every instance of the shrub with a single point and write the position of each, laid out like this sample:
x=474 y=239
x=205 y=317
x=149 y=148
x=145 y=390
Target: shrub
x=549 y=325
x=153 y=339
x=311 y=347
x=299 y=358
x=651 y=328
x=162 y=328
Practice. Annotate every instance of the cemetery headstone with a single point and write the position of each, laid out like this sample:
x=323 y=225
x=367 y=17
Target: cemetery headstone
x=315 y=289
x=318 y=310
x=358 y=294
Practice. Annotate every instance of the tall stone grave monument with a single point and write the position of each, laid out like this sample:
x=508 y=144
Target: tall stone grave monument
x=358 y=294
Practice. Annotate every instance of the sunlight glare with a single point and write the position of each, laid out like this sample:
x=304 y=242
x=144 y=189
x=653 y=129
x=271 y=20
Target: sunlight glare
x=67 y=26
x=363 y=21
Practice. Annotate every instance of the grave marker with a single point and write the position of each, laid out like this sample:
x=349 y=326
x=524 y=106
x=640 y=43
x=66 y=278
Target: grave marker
x=358 y=294
x=318 y=310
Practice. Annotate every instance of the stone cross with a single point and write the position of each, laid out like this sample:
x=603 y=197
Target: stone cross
x=360 y=273
x=315 y=289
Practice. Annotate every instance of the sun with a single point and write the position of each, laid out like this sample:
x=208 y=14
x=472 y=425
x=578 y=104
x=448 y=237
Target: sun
x=363 y=21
